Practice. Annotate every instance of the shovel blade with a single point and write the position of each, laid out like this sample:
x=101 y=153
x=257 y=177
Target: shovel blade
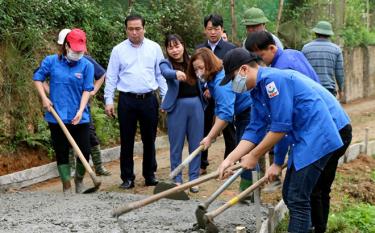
x=93 y=189
x=210 y=226
x=199 y=214
x=162 y=186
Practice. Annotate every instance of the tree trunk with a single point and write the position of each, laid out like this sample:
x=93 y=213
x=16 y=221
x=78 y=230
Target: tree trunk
x=234 y=24
x=368 y=14
x=279 y=13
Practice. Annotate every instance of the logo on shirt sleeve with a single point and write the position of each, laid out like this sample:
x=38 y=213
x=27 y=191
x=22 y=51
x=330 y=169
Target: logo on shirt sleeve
x=272 y=90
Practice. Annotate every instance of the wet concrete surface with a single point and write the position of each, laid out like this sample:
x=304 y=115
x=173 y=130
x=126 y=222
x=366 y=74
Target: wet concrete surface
x=54 y=212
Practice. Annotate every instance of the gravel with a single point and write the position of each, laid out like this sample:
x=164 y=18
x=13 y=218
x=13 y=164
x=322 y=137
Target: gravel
x=54 y=212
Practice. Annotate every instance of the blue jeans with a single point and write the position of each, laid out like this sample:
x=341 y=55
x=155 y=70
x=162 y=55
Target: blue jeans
x=297 y=189
x=241 y=121
x=320 y=198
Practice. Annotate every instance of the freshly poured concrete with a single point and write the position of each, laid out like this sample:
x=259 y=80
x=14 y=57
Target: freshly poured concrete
x=52 y=212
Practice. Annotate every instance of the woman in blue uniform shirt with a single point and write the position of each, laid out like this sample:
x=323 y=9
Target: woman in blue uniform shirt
x=230 y=105
x=184 y=106
x=71 y=80
x=286 y=102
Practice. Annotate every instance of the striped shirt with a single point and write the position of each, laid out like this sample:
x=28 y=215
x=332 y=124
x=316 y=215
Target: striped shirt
x=327 y=60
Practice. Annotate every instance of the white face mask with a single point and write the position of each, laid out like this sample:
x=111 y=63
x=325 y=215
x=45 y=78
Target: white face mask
x=73 y=56
x=239 y=84
x=200 y=77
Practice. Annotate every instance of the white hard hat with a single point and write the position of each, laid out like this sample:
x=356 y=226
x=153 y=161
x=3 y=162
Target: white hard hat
x=62 y=35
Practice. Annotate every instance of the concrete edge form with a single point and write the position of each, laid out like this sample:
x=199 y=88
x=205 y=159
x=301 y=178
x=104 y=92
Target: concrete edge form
x=275 y=215
x=45 y=172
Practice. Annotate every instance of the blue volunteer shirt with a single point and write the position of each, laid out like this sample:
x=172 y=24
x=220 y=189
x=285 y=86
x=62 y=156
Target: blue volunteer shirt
x=99 y=71
x=294 y=60
x=283 y=102
x=227 y=103
x=67 y=84
x=339 y=116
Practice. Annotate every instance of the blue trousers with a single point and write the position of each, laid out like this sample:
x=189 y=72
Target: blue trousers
x=185 y=120
x=297 y=189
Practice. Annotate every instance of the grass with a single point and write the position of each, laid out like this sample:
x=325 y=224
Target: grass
x=351 y=212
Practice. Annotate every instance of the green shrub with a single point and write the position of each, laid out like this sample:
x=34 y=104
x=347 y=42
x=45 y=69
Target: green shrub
x=355 y=218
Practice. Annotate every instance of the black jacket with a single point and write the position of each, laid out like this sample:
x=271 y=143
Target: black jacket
x=221 y=48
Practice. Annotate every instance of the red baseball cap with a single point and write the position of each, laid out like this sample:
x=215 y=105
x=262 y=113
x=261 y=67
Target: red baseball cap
x=77 y=40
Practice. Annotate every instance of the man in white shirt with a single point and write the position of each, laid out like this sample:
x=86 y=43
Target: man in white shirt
x=133 y=70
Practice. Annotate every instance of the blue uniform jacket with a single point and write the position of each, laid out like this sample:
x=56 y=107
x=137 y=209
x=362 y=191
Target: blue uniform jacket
x=67 y=84
x=294 y=60
x=99 y=71
x=227 y=103
x=285 y=102
x=339 y=116
x=169 y=74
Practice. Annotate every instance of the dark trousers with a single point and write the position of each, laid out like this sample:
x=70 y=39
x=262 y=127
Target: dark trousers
x=94 y=140
x=297 y=189
x=61 y=145
x=241 y=121
x=320 y=199
x=133 y=109
x=229 y=133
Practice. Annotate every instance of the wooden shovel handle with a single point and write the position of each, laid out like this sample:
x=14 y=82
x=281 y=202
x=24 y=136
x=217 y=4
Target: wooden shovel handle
x=211 y=215
x=74 y=146
x=188 y=159
x=138 y=204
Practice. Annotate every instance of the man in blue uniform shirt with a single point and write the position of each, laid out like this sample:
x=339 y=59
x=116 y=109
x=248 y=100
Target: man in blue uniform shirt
x=263 y=44
x=285 y=102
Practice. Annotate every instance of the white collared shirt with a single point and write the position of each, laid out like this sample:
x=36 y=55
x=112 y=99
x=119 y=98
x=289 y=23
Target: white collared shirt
x=134 y=69
x=213 y=45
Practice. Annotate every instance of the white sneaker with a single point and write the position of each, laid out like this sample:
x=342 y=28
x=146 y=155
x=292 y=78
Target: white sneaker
x=194 y=189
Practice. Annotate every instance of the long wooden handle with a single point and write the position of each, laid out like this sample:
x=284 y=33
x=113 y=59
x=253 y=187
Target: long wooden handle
x=188 y=159
x=211 y=215
x=221 y=189
x=75 y=146
x=138 y=204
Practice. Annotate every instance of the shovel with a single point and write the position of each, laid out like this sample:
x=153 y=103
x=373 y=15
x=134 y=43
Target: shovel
x=78 y=152
x=202 y=207
x=209 y=217
x=162 y=186
x=138 y=204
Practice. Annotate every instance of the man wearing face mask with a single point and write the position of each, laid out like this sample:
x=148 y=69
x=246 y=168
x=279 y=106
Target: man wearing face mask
x=287 y=102
x=232 y=105
x=71 y=81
